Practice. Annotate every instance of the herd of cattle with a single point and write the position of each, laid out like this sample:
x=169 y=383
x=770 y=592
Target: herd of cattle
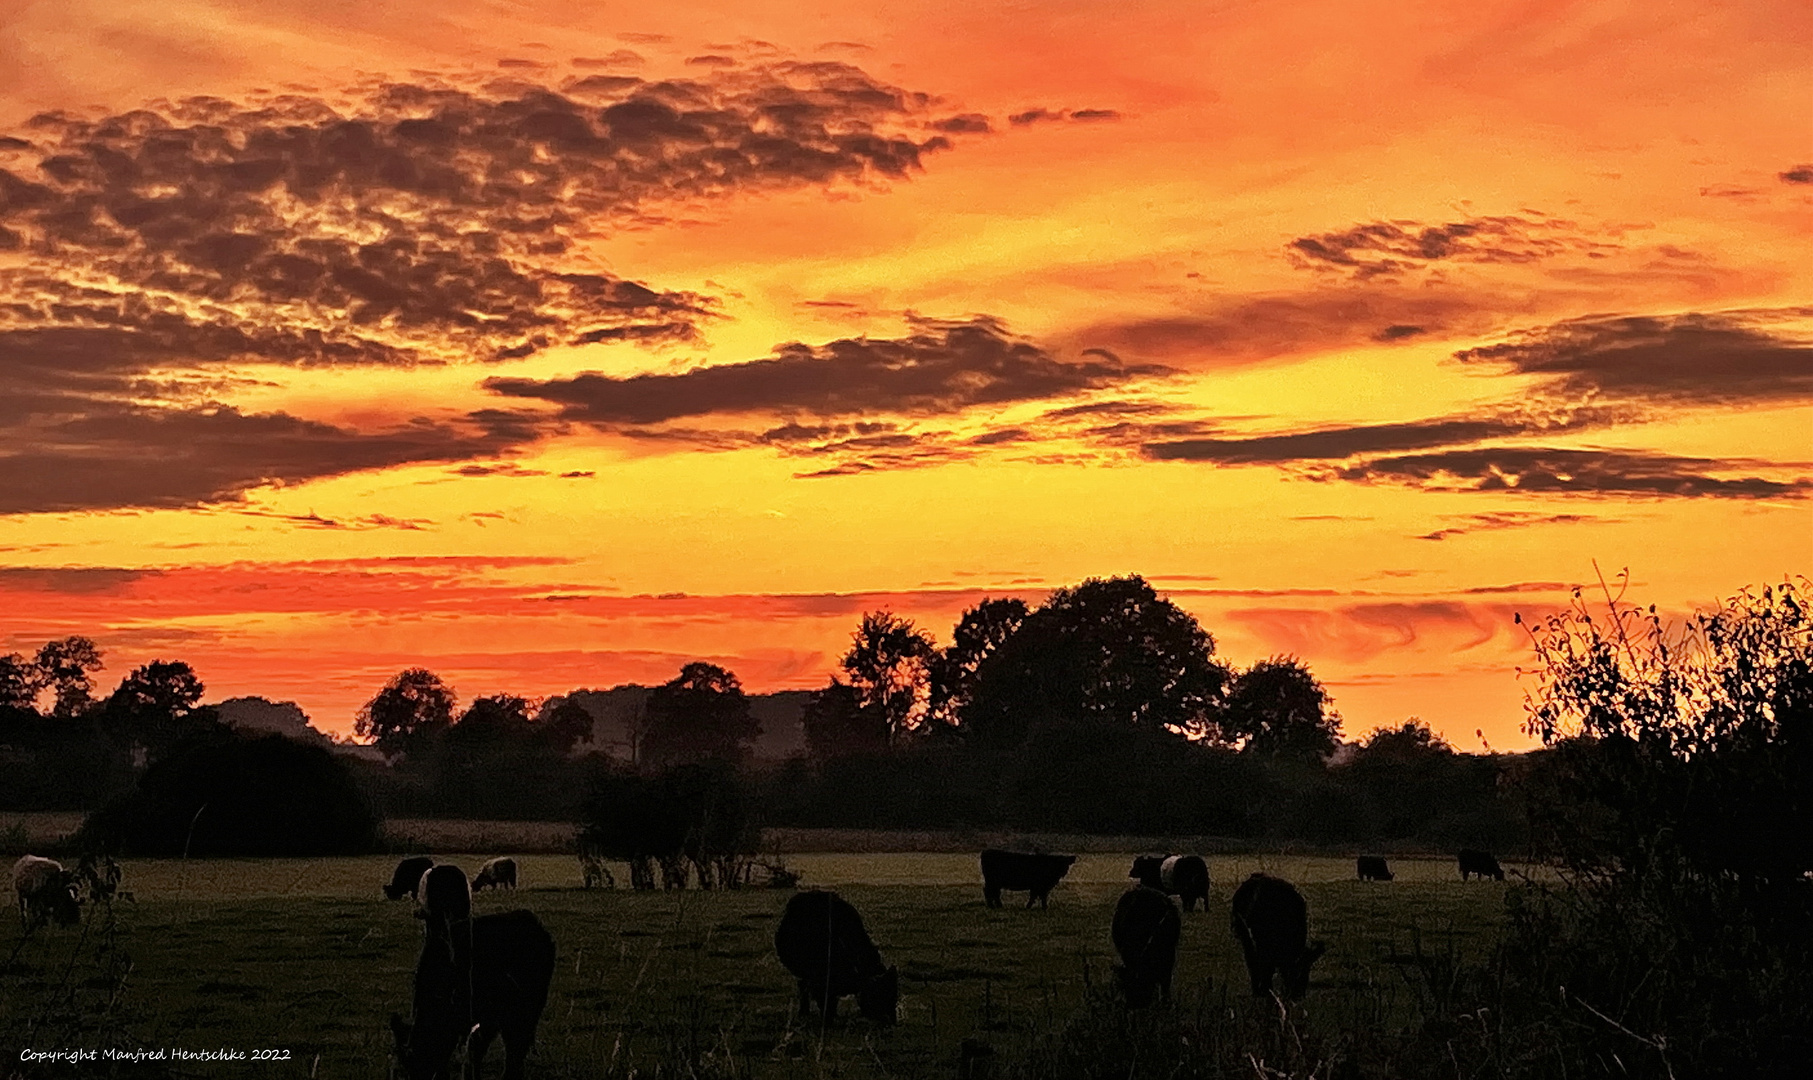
x=477 y=979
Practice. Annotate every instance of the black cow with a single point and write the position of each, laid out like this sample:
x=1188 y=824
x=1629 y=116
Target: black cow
x=1373 y=868
x=1271 y=922
x=1182 y=876
x=407 y=877
x=510 y=967
x=822 y=941
x=1146 y=929
x=1478 y=862
x=1037 y=875
x=499 y=873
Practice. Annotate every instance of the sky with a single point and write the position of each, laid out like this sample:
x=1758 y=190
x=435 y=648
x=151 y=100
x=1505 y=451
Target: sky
x=551 y=345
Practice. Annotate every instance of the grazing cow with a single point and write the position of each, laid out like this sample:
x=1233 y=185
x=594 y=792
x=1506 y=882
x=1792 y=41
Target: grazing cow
x=1373 y=868
x=1271 y=922
x=506 y=989
x=1182 y=876
x=1037 y=875
x=499 y=873
x=822 y=941
x=46 y=892
x=1146 y=929
x=405 y=879
x=1478 y=862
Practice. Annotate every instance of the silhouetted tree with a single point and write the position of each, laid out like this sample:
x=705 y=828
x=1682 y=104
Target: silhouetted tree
x=492 y=721
x=64 y=666
x=977 y=635
x=887 y=665
x=1281 y=710
x=566 y=725
x=412 y=708
x=837 y=724
x=700 y=714
x=154 y=707
x=1108 y=652
x=229 y=794
x=20 y=681
x=1692 y=745
x=1411 y=741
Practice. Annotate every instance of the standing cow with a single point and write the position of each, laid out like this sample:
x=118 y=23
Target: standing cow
x=1373 y=868
x=821 y=940
x=1478 y=862
x=1183 y=876
x=511 y=967
x=1271 y=922
x=1036 y=875
x=499 y=873
x=1146 y=929
x=46 y=891
x=406 y=879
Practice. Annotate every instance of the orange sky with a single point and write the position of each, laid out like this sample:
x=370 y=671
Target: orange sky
x=553 y=348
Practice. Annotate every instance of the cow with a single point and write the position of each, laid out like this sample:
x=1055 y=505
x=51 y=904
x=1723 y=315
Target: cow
x=1271 y=922
x=822 y=942
x=47 y=892
x=1373 y=868
x=405 y=879
x=499 y=873
x=505 y=990
x=1478 y=862
x=1037 y=875
x=1182 y=876
x=1146 y=929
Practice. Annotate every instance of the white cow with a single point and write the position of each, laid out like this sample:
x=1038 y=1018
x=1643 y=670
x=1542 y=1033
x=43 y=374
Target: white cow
x=46 y=891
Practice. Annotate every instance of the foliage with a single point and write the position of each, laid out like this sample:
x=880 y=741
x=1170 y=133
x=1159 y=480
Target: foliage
x=412 y=707
x=232 y=794
x=64 y=667
x=154 y=708
x=837 y=724
x=888 y=669
x=1108 y=652
x=1279 y=709
x=20 y=682
x=982 y=630
x=700 y=813
x=700 y=714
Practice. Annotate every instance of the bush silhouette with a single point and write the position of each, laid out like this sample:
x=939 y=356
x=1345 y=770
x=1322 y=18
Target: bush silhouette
x=238 y=795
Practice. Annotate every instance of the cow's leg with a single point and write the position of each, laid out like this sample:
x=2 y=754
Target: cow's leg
x=830 y=1007
x=1262 y=979
x=476 y=1048
x=517 y=1041
x=992 y=894
x=805 y=999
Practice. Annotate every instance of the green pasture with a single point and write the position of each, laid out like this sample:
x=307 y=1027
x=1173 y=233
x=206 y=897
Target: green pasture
x=304 y=955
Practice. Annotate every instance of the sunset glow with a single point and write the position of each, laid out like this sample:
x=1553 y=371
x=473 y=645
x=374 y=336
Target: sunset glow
x=550 y=345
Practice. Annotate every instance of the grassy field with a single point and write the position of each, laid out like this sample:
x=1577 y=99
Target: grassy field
x=305 y=956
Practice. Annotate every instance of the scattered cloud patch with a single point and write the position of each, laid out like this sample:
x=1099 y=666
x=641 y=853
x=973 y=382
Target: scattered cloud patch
x=1389 y=249
x=1551 y=471
x=1799 y=174
x=943 y=366
x=1508 y=519
x=1694 y=358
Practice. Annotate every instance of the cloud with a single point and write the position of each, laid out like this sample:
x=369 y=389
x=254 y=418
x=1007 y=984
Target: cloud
x=942 y=366
x=154 y=252
x=1547 y=471
x=963 y=124
x=1508 y=519
x=1041 y=115
x=68 y=579
x=114 y=457
x=1799 y=174
x=1693 y=358
x=1386 y=249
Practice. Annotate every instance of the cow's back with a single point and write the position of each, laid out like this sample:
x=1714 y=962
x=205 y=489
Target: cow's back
x=512 y=968
x=821 y=933
x=1271 y=918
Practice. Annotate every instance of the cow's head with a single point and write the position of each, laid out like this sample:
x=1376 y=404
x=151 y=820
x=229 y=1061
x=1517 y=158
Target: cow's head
x=423 y=1050
x=63 y=900
x=1296 y=975
x=879 y=998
